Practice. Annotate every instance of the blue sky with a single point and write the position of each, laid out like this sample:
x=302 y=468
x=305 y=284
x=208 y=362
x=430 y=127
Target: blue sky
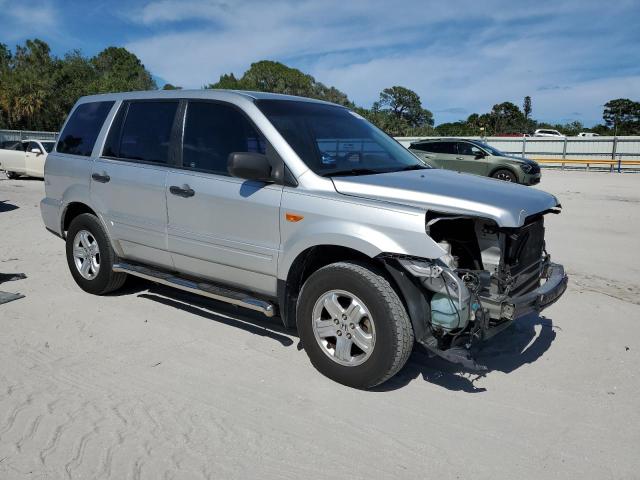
x=460 y=56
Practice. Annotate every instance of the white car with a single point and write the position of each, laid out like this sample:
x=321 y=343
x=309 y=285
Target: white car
x=588 y=134
x=25 y=157
x=547 y=132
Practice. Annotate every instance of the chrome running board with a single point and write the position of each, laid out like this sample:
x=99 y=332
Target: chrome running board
x=209 y=290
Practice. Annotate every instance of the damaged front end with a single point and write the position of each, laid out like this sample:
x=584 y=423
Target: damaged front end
x=488 y=278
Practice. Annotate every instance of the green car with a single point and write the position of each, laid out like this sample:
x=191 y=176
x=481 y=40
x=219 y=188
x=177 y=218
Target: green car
x=474 y=156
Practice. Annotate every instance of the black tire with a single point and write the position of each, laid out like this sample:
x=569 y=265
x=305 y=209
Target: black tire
x=106 y=279
x=393 y=332
x=505 y=175
x=11 y=175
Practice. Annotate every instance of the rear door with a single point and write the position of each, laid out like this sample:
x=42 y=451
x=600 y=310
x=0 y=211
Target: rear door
x=470 y=158
x=425 y=153
x=129 y=180
x=13 y=160
x=222 y=228
x=443 y=153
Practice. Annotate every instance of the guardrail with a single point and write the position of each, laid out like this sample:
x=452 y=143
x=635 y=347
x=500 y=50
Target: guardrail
x=618 y=165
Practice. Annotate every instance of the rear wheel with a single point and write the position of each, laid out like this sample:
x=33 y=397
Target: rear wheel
x=90 y=256
x=505 y=175
x=11 y=175
x=353 y=325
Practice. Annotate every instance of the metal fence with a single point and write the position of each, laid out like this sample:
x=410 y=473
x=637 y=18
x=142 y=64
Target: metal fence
x=17 y=135
x=554 y=150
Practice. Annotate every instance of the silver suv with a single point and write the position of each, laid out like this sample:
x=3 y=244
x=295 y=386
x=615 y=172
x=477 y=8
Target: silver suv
x=302 y=209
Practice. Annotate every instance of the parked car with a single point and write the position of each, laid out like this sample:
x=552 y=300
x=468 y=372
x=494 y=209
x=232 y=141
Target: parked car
x=302 y=209
x=547 y=132
x=25 y=157
x=588 y=134
x=474 y=156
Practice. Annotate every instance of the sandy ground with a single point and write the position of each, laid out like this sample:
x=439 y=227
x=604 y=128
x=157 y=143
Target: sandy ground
x=151 y=383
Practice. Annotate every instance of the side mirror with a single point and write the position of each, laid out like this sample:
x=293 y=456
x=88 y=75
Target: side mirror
x=480 y=155
x=249 y=166
x=36 y=151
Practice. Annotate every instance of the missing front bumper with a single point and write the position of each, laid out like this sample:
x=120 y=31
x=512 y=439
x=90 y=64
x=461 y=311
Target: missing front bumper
x=511 y=308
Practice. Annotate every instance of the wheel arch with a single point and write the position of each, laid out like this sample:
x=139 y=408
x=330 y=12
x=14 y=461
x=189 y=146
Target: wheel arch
x=305 y=263
x=318 y=256
x=71 y=211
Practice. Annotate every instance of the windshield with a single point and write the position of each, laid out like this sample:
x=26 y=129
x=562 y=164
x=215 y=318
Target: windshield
x=48 y=146
x=490 y=149
x=333 y=140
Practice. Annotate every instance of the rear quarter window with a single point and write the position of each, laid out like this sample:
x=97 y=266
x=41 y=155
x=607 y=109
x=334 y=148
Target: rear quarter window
x=81 y=131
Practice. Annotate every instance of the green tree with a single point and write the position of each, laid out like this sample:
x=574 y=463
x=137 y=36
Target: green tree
x=526 y=107
x=168 y=86
x=5 y=60
x=399 y=112
x=623 y=116
x=275 y=77
x=27 y=87
x=506 y=117
x=119 y=71
x=37 y=89
x=74 y=77
x=226 y=82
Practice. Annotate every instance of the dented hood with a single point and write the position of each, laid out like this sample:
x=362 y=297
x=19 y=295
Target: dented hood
x=451 y=192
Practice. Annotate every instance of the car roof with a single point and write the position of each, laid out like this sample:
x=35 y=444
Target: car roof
x=206 y=93
x=444 y=139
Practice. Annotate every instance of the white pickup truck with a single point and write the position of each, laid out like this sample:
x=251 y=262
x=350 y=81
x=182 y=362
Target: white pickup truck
x=25 y=157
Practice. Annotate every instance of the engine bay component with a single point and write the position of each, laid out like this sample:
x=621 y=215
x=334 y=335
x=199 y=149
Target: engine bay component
x=446 y=314
x=486 y=278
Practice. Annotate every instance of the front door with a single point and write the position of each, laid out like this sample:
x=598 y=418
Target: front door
x=222 y=228
x=34 y=160
x=128 y=183
x=471 y=159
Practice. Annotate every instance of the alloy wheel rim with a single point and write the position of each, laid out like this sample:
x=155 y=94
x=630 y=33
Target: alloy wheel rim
x=86 y=254
x=343 y=328
x=504 y=177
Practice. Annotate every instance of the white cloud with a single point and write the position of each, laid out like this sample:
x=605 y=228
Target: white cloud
x=462 y=57
x=25 y=18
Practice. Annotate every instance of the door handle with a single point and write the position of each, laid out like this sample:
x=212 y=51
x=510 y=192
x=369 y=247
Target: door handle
x=104 y=178
x=184 y=191
x=459 y=158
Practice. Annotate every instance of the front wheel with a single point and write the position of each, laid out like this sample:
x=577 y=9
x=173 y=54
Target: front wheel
x=353 y=325
x=505 y=175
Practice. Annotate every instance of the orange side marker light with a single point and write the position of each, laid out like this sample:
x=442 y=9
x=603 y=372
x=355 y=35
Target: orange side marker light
x=293 y=217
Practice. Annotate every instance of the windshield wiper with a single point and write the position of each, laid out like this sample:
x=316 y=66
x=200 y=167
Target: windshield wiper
x=417 y=166
x=352 y=171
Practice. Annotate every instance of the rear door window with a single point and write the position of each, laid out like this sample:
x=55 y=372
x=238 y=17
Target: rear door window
x=423 y=147
x=144 y=133
x=214 y=130
x=81 y=131
x=443 y=147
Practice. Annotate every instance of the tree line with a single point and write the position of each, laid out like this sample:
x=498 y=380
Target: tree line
x=37 y=90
